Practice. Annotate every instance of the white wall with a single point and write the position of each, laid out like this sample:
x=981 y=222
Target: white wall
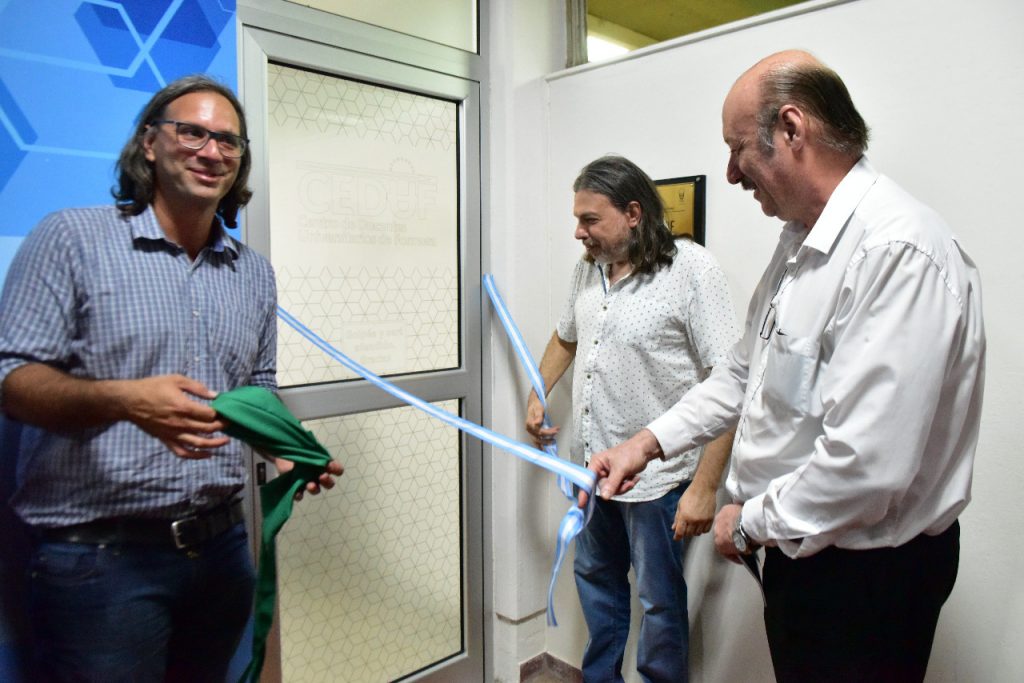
x=941 y=82
x=524 y=42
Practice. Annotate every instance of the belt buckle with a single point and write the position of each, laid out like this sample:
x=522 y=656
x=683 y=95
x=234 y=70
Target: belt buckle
x=177 y=534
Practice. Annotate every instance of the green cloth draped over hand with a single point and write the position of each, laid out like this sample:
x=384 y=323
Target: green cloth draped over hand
x=257 y=417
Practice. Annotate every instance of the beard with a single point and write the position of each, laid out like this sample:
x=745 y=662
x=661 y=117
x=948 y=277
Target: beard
x=604 y=255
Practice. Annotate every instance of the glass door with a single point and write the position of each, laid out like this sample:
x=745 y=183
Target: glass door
x=366 y=181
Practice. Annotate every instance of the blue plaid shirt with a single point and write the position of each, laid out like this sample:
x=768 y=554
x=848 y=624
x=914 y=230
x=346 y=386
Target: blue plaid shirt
x=106 y=297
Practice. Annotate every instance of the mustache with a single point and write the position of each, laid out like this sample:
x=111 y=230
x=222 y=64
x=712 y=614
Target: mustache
x=747 y=185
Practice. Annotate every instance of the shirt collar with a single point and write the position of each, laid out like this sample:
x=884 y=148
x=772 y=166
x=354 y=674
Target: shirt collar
x=146 y=226
x=604 y=269
x=222 y=242
x=841 y=205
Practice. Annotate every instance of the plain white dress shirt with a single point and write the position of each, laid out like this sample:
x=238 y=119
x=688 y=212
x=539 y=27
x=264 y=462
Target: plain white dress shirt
x=857 y=386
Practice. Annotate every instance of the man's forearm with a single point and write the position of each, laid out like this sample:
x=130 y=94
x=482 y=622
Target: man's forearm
x=43 y=396
x=712 y=463
x=695 y=512
x=163 y=406
x=558 y=356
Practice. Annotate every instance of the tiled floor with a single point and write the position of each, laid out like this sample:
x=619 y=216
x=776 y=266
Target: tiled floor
x=548 y=669
x=545 y=677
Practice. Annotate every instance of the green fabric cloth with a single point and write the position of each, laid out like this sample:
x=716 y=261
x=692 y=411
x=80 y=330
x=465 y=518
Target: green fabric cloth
x=257 y=417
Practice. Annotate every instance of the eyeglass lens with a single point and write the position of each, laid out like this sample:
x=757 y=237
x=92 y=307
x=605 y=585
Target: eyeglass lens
x=194 y=136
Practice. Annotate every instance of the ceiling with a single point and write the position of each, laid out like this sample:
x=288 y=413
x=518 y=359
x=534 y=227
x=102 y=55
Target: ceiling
x=665 y=19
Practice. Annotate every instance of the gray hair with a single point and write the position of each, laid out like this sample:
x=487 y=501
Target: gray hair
x=651 y=244
x=818 y=91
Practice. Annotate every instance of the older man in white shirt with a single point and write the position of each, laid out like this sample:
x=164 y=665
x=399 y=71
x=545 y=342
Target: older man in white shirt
x=856 y=391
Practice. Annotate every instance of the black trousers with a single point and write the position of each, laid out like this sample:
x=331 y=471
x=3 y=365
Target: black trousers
x=858 y=615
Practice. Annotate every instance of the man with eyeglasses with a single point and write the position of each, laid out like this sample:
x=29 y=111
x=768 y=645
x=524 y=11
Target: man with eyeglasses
x=117 y=325
x=856 y=391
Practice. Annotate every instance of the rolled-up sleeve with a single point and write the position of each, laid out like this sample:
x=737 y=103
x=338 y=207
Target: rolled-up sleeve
x=37 y=321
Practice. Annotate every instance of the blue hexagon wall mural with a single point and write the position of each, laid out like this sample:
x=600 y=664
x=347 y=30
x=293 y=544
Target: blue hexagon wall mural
x=73 y=76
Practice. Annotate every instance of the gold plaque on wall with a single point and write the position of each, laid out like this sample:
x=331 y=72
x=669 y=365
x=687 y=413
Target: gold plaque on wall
x=684 y=205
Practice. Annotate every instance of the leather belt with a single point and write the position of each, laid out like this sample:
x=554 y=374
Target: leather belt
x=183 y=533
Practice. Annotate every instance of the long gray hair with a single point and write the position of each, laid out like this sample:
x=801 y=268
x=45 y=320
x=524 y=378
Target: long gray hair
x=620 y=180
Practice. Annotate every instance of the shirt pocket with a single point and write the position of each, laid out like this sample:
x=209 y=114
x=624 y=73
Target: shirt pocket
x=235 y=335
x=791 y=371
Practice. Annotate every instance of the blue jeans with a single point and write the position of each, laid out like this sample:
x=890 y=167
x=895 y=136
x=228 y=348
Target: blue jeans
x=641 y=533
x=140 y=612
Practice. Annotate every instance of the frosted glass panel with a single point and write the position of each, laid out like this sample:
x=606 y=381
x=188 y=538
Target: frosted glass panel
x=363 y=224
x=370 y=573
x=449 y=22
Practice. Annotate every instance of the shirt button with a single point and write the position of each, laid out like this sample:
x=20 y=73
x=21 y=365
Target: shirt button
x=195 y=313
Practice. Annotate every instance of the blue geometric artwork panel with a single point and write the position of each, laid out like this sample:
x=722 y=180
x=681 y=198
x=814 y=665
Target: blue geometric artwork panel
x=73 y=75
x=16 y=129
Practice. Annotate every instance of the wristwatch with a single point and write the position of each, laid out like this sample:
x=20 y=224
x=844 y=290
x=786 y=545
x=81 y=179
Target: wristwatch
x=744 y=544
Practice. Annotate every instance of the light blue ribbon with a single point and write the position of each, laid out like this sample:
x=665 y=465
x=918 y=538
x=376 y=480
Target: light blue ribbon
x=568 y=473
x=574 y=520
x=580 y=476
x=529 y=365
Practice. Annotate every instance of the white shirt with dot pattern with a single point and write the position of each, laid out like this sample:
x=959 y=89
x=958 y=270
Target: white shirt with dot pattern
x=642 y=343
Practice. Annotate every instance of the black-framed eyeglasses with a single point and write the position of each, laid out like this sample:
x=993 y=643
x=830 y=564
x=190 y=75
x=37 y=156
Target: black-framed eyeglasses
x=193 y=136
